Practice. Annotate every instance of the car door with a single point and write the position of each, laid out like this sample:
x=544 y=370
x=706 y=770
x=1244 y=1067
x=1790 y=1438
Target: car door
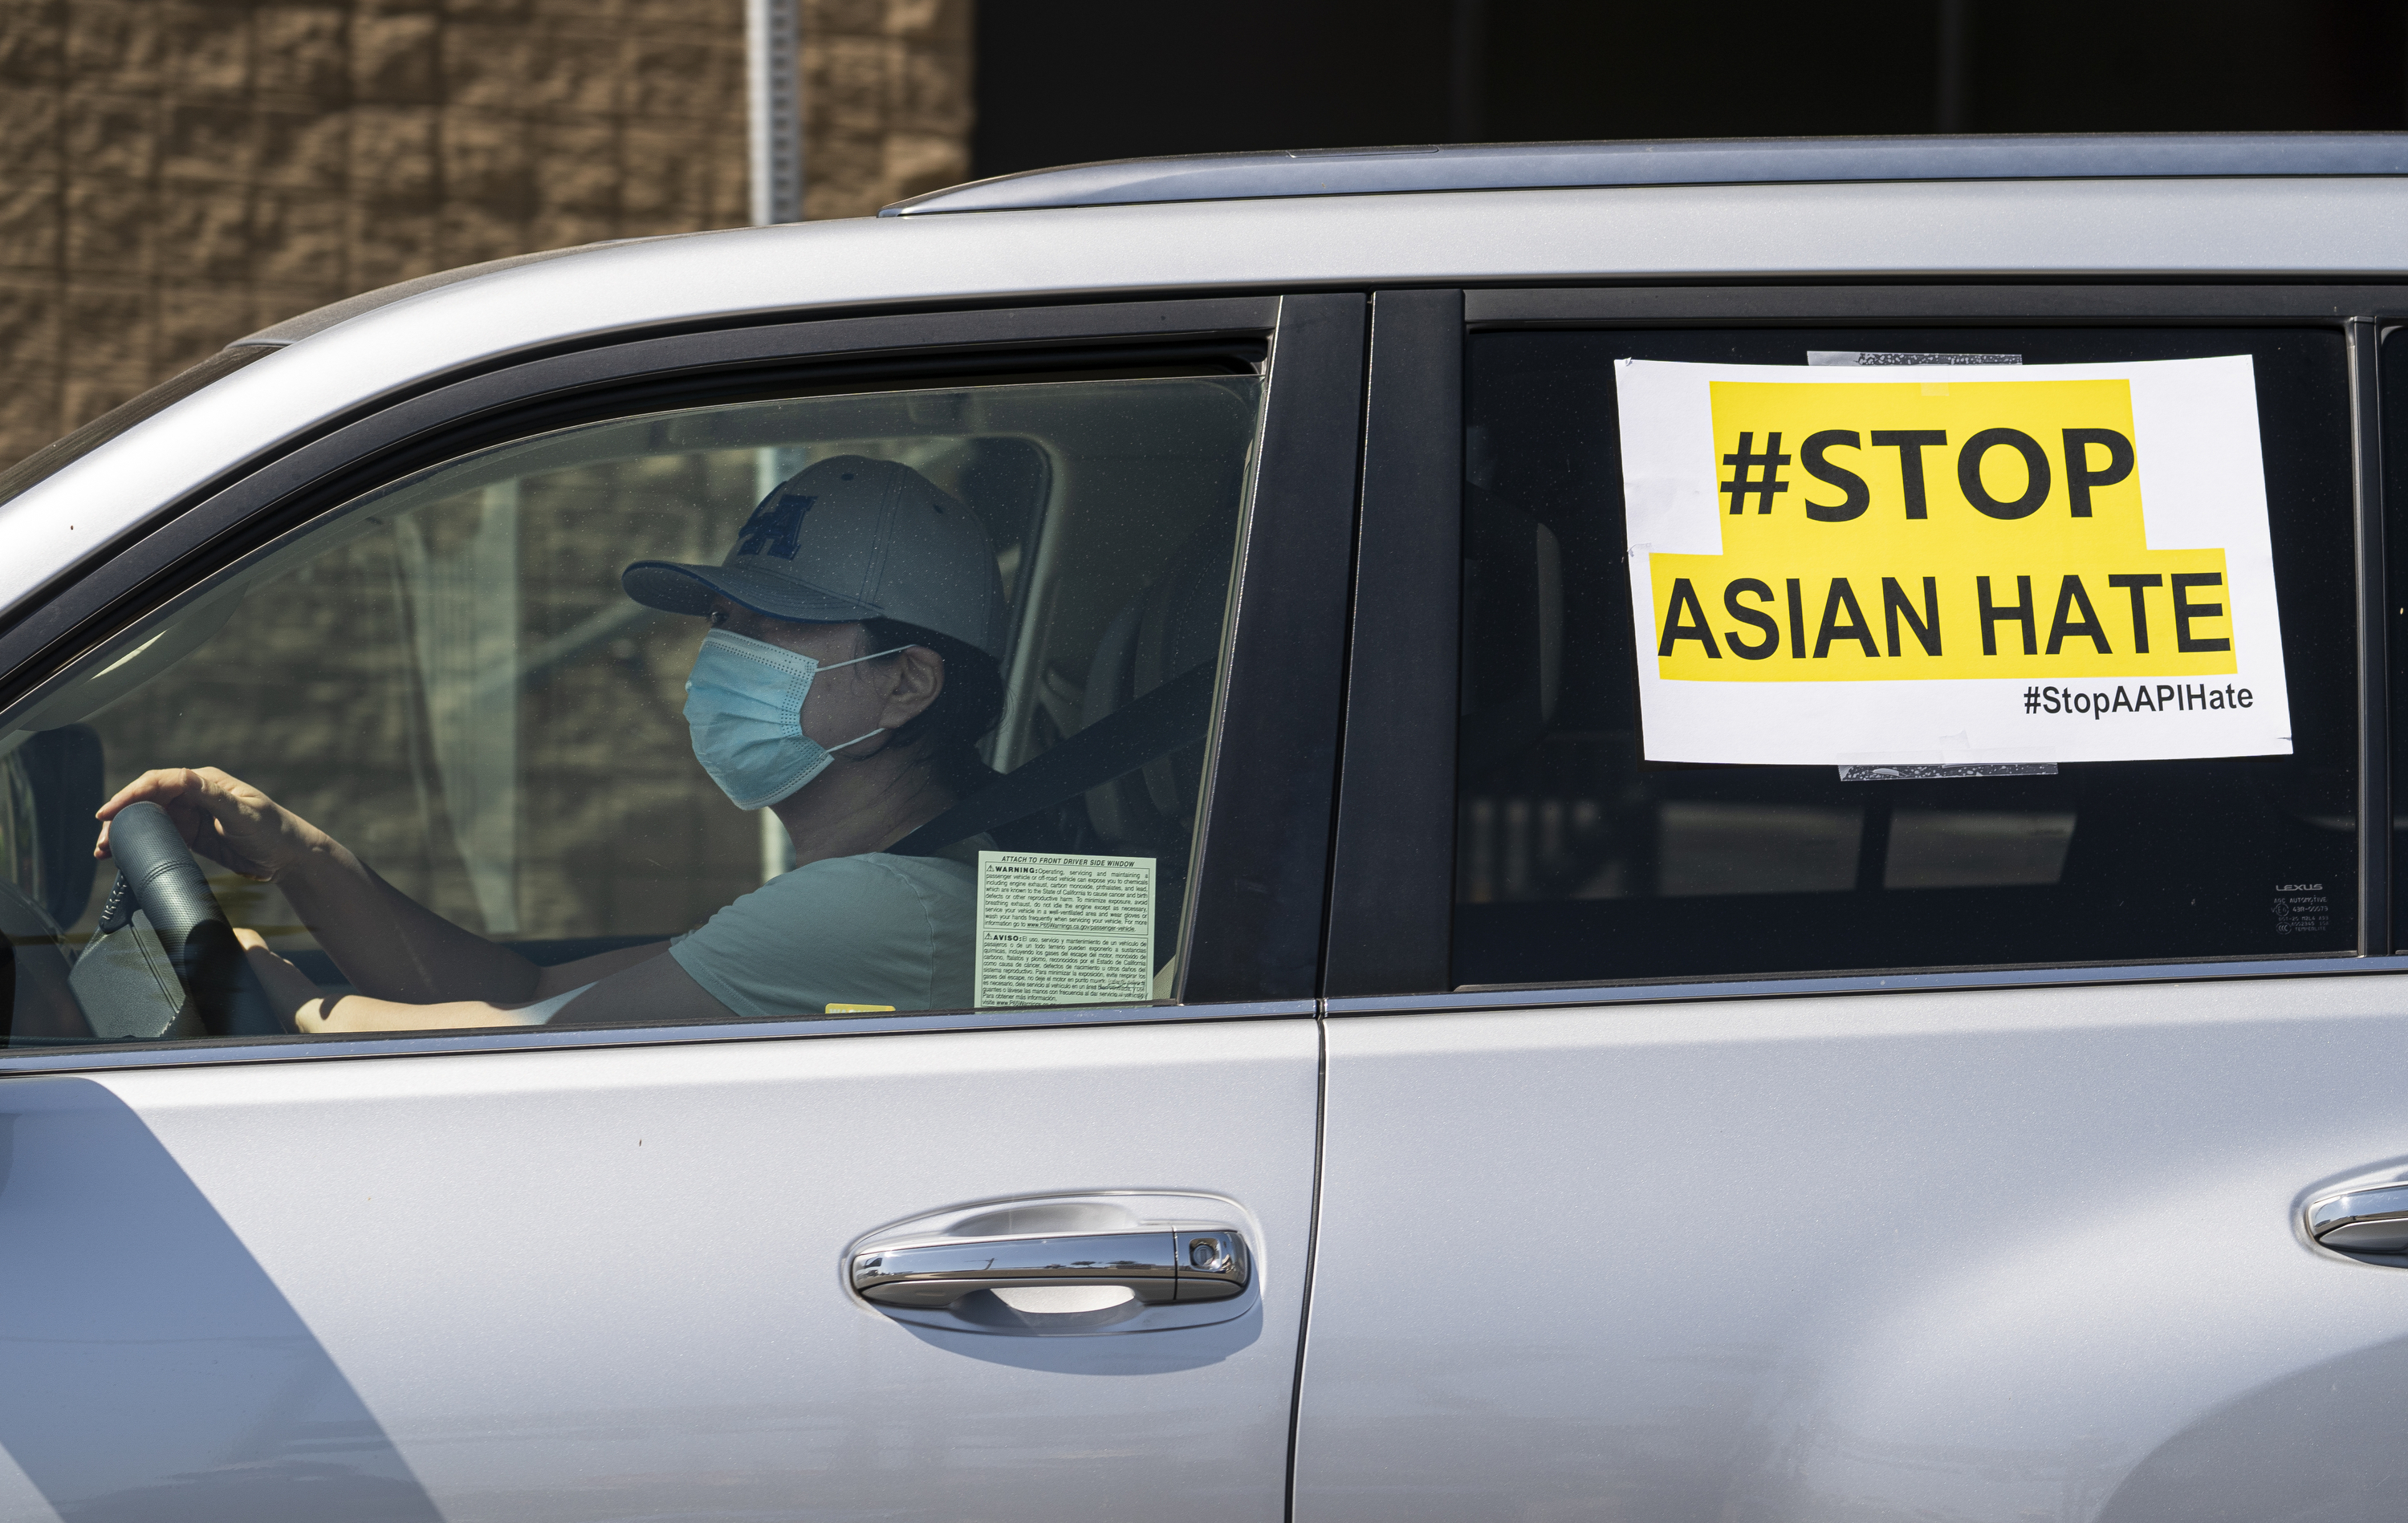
x=1042 y=1258
x=1776 y=1145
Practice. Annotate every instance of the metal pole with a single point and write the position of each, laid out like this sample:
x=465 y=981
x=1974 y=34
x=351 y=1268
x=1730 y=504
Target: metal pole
x=773 y=82
x=773 y=89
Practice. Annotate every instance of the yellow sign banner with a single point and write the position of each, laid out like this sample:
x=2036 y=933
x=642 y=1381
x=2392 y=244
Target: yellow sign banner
x=1935 y=529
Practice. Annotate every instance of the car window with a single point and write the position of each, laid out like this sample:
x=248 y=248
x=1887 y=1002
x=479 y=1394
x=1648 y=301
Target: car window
x=698 y=714
x=1606 y=832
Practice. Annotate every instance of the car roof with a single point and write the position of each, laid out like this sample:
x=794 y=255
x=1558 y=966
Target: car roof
x=1724 y=160
x=331 y=363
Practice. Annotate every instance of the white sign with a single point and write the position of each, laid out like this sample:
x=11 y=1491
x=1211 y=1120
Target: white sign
x=1951 y=565
x=1058 y=929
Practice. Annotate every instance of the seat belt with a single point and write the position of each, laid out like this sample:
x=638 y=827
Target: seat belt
x=1173 y=714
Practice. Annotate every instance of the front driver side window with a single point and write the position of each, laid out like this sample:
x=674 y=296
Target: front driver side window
x=692 y=715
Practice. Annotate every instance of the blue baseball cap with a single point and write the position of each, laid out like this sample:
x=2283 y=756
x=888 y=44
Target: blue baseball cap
x=849 y=538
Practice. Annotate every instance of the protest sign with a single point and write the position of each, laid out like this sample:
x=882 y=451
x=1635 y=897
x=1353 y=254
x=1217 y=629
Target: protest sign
x=1951 y=563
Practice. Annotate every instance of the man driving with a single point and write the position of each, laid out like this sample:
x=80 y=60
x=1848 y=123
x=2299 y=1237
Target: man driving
x=851 y=666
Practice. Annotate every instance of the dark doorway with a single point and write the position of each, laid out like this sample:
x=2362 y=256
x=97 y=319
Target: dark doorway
x=1069 y=81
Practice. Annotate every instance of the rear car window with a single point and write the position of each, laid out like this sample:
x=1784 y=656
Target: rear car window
x=1605 y=833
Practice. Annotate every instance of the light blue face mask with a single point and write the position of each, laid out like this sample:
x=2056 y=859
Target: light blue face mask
x=744 y=705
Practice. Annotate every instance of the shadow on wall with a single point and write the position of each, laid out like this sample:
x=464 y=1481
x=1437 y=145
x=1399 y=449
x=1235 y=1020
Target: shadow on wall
x=154 y=1370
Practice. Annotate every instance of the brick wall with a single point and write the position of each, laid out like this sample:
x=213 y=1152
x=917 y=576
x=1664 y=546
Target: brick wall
x=887 y=95
x=176 y=173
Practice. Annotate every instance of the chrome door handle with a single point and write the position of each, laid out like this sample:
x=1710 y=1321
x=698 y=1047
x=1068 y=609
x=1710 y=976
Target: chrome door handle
x=1160 y=1266
x=2368 y=1221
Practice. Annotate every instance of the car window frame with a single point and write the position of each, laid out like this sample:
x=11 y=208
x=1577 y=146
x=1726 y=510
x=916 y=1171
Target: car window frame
x=1391 y=940
x=1271 y=774
x=61 y=452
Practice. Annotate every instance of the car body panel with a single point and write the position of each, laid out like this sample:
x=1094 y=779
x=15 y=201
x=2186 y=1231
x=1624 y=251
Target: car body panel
x=1976 y=1255
x=2193 y=228
x=557 y=1284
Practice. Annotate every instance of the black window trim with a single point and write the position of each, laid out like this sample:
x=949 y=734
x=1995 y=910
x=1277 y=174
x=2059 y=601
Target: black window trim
x=1365 y=979
x=1259 y=890
x=1392 y=873
x=1253 y=947
x=2375 y=825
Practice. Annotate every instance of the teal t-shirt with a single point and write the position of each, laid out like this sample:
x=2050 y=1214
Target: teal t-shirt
x=871 y=929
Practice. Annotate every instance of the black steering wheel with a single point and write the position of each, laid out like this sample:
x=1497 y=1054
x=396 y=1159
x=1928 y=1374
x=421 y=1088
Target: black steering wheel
x=156 y=871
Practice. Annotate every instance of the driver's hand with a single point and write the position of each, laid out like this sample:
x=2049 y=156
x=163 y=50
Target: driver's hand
x=225 y=820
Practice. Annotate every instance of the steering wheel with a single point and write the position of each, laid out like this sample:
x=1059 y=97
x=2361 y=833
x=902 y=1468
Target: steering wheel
x=157 y=871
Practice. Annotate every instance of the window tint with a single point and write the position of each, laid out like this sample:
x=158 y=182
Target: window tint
x=1577 y=861
x=493 y=787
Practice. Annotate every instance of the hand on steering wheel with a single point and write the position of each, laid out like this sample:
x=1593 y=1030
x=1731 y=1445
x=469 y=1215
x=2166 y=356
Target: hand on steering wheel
x=224 y=819
x=155 y=869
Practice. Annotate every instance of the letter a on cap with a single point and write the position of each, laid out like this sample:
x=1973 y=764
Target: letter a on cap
x=776 y=526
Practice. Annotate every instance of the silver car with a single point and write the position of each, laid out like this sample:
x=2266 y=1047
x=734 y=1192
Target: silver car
x=1359 y=1067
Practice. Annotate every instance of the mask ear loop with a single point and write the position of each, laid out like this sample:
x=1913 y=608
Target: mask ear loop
x=855 y=662
x=858 y=660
